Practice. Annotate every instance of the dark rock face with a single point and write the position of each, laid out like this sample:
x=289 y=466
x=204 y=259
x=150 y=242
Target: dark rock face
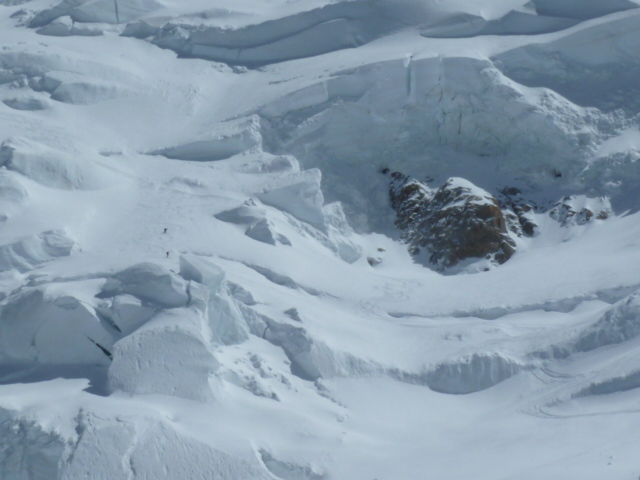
x=518 y=214
x=411 y=200
x=459 y=221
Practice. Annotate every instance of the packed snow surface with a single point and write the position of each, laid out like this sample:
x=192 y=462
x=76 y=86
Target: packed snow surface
x=200 y=275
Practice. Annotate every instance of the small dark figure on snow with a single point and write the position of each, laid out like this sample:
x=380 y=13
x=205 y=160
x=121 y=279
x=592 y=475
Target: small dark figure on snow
x=167 y=254
x=165 y=230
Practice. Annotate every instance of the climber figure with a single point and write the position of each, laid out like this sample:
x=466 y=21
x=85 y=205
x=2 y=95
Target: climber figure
x=167 y=254
x=165 y=230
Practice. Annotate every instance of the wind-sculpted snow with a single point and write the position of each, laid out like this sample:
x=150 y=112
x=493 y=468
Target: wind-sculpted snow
x=289 y=471
x=414 y=115
x=601 y=76
x=619 y=324
x=13 y=194
x=345 y=25
x=514 y=23
x=333 y=27
x=225 y=319
x=233 y=138
x=32 y=251
x=331 y=228
x=472 y=374
x=95 y=11
x=52 y=167
x=581 y=9
x=614 y=385
x=534 y=18
x=258 y=226
x=298 y=194
x=294 y=341
x=65 y=27
x=126 y=313
x=11 y=3
x=32 y=450
x=149 y=282
x=27 y=103
x=263 y=231
x=76 y=81
x=146 y=448
x=170 y=354
x=41 y=325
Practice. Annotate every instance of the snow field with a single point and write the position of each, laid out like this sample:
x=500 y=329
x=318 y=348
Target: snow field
x=184 y=276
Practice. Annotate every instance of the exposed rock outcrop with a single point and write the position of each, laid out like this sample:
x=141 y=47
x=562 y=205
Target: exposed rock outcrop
x=518 y=213
x=457 y=222
x=580 y=209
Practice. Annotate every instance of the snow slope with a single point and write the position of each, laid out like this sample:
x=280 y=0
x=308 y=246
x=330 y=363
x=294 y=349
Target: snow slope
x=200 y=275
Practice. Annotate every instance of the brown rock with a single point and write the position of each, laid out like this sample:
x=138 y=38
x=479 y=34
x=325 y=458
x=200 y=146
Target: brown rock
x=457 y=222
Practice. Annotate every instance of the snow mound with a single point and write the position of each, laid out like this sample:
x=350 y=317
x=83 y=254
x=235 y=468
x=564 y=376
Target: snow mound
x=53 y=168
x=619 y=324
x=513 y=23
x=225 y=319
x=102 y=11
x=146 y=448
x=44 y=325
x=294 y=341
x=617 y=384
x=315 y=32
x=230 y=139
x=169 y=355
x=258 y=226
x=340 y=233
x=27 y=103
x=264 y=231
x=347 y=24
x=79 y=80
x=86 y=92
x=35 y=250
x=581 y=9
x=282 y=280
x=27 y=450
x=600 y=76
x=126 y=313
x=298 y=194
x=266 y=225
x=149 y=282
x=184 y=457
x=65 y=27
x=471 y=374
x=13 y=195
x=288 y=470
x=248 y=213
x=534 y=18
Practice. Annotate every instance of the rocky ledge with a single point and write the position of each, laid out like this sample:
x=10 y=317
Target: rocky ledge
x=455 y=223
